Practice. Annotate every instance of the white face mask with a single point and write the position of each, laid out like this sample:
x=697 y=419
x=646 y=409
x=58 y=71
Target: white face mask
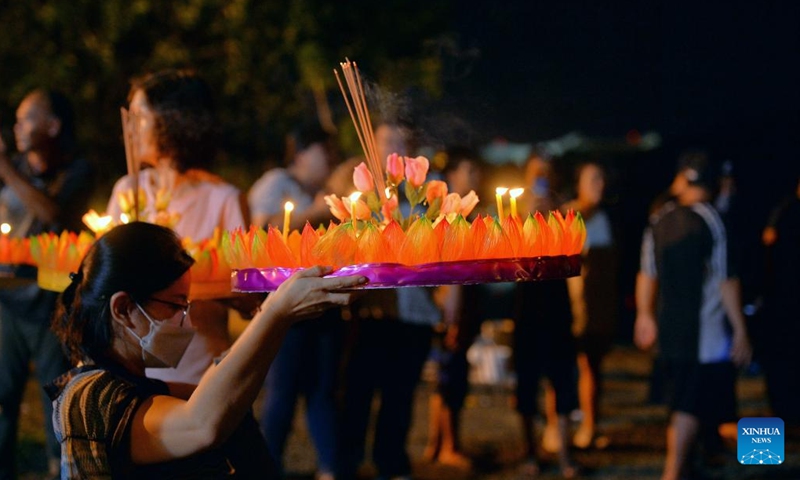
x=165 y=343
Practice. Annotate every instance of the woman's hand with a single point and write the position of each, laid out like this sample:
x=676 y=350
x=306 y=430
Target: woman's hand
x=306 y=294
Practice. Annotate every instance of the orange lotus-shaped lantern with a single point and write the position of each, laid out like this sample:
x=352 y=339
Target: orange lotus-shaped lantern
x=434 y=236
x=14 y=251
x=211 y=272
x=58 y=255
x=339 y=245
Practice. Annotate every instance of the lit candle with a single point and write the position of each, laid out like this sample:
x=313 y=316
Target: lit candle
x=353 y=199
x=287 y=213
x=514 y=193
x=5 y=244
x=499 y=192
x=96 y=223
x=124 y=218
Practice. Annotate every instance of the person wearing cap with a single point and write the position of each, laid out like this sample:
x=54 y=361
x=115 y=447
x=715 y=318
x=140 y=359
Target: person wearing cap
x=686 y=290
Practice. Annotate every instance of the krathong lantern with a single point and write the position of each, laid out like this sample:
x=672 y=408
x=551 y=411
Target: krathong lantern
x=211 y=272
x=13 y=251
x=433 y=243
x=56 y=256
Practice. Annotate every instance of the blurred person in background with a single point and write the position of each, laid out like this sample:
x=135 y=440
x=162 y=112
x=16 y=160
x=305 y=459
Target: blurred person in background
x=594 y=297
x=687 y=297
x=303 y=182
x=44 y=187
x=779 y=326
x=543 y=343
x=389 y=339
x=308 y=361
x=461 y=307
x=176 y=141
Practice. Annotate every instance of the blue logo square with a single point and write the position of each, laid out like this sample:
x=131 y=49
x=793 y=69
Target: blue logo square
x=760 y=441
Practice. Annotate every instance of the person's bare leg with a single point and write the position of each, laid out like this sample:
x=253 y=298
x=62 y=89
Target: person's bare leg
x=435 y=405
x=550 y=437
x=450 y=453
x=587 y=398
x=681 y=435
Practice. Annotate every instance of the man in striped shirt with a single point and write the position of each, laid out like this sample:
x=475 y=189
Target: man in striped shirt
x=688 y=301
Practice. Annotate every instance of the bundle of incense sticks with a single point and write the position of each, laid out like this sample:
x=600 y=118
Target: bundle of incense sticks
x=129 y=139
x=359 y=113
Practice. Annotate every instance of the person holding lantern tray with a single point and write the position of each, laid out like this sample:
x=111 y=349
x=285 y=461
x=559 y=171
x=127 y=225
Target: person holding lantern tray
x=126 y=309
x=43 y=188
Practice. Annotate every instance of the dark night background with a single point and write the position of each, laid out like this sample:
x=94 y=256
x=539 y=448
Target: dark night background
x=715 y=75
x=712 y=75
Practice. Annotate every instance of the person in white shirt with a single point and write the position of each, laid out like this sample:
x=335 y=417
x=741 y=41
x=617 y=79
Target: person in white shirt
x=176 y=140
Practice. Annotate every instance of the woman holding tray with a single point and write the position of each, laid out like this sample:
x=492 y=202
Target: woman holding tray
x=127 y=309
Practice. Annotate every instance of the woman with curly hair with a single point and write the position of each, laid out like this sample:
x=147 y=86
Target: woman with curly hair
x=175 y=139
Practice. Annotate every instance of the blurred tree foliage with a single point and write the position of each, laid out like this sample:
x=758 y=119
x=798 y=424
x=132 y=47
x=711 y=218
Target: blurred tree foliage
x=271 y=62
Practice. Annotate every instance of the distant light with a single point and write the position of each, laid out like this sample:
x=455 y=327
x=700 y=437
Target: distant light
x=5 y=228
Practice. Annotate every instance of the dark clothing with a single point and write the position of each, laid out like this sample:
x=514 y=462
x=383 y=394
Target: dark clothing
x=308 y=364
x=25 y=339
x=69 y=186
x=778 y=326
x=600 y=293
x=25 y=311
x=707 y=391
x=781 y=311
x=685 y=247
x=452 y=377
x=452 y=381
x=544 y=345
x=93 y=412
x=385 y=355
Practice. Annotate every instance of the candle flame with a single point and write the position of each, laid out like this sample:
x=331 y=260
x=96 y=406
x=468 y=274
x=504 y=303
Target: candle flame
x=388 y=192
x=288 y=206
x=124 y=218
x=5 y=228
x=355 y=196
x=501 y=190
x=516 y=192
x=95 y=222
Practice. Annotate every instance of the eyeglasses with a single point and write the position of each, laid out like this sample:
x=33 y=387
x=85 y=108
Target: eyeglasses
x=184 y=307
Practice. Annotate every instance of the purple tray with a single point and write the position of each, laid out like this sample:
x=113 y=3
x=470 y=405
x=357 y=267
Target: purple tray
x=394 y=275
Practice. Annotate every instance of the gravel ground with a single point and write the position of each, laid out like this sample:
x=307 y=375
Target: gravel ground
x=490 y=434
